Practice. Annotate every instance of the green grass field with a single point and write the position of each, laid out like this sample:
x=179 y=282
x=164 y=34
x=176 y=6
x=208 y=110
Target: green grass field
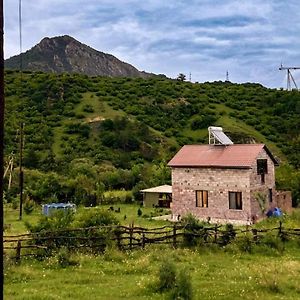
x=127 y=216
x=216 y=272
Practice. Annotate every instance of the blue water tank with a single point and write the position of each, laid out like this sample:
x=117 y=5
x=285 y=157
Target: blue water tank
x=48 y=209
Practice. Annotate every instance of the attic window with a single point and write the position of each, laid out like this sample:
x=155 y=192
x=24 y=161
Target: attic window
x=262 y=166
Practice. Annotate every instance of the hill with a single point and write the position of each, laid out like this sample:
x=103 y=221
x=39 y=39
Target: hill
x=88 y=134
x=65 y=54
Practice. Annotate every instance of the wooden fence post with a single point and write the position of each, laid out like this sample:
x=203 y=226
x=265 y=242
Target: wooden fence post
x=130 y=236
x=216 y=234
x=143 y=240
x=174 y=236
x=280 y=228
x=118 y=235
x=18 y=252
x=281 y=234
x=254 y=231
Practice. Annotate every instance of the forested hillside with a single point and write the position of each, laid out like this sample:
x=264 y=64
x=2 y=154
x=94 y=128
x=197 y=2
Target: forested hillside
x=85 y=134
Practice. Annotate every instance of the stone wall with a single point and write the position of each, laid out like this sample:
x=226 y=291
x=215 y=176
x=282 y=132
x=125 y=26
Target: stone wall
x=218 y=182
x=260 y=189
x=283 y=200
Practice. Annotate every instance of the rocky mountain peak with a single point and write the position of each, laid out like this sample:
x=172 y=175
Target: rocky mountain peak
x=65 y=54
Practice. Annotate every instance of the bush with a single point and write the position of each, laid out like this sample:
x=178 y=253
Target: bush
x=166 y=276
x=273 y=242
x=64 y=258
x=58 y=220
x=228 y=235
x=194 y=232
x=15 y=203
x=183 y=287
x=28 y=206
x=139 y=212
x=245 y=244
x=97 y=217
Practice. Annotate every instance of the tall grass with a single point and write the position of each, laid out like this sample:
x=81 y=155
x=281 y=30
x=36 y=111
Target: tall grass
x=129 y=275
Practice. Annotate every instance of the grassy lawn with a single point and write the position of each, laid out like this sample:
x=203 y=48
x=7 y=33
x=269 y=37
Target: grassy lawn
x=216 y=272
x=127 y=216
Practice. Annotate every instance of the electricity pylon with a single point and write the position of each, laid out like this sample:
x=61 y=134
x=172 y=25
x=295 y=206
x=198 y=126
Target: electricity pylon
x=290 y=78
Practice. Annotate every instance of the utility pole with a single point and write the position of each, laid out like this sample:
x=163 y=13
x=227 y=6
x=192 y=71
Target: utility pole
x=21 y=175
x=2 y=102
x=290 y=79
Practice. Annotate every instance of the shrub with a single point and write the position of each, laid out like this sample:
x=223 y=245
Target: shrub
x=273 y=242
x=194 y=231
x=139 y=212
x=46 y=227
x=15 y=203
x=183 y=287
x=64 y=258
x=28 y=206
x=58 y=220
x=245 y=244
x=88 y=108
x=228 y=235
x=97 y=217
x=166 y=276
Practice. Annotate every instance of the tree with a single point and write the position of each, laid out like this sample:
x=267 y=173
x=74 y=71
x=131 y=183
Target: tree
x=181 y=77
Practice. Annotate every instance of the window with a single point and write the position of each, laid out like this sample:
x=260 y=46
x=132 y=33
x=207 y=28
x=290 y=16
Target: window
x=270 y=195
x=262 y=166
x=235 y=200
x=201 y=198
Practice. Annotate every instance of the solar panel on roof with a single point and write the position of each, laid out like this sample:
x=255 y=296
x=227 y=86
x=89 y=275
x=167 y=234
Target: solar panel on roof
x=217 y=136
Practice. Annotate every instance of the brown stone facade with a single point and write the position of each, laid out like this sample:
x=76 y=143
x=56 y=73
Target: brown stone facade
x=284 y=200
x=219 y=183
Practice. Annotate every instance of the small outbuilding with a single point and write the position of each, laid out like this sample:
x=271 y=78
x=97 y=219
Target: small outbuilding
x=160 y=196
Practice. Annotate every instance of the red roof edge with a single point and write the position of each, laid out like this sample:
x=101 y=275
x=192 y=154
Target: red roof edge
x=209 y=166
x=275 y=161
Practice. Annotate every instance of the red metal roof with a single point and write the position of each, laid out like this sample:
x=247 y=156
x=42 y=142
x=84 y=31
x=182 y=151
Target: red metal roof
x=231 y=156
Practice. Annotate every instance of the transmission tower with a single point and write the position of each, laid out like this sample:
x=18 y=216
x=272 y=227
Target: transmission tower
x=227 y=76
x=290 y=79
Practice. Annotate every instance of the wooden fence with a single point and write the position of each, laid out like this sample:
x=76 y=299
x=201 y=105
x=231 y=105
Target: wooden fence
x=131 y=237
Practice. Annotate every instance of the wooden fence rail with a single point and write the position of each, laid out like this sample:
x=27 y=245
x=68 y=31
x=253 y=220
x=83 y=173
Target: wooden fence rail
x=130 y=237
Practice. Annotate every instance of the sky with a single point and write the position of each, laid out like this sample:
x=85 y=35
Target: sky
x=203 y=39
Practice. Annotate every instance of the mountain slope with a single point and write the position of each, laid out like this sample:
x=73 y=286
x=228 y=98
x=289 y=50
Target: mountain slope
x=122 y=131
x=65 y=54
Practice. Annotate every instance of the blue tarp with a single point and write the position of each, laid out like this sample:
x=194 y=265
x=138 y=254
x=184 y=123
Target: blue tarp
x=274 y=212
x=49 y=208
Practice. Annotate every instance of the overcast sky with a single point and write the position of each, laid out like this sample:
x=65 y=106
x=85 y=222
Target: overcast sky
x=249 y=38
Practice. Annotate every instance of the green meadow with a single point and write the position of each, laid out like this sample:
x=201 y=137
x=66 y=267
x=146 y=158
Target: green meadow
x=267 y=271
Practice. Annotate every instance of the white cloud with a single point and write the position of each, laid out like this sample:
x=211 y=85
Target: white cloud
x=248 y=38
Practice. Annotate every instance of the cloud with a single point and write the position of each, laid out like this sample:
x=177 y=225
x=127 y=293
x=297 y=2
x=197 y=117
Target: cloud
x=248 y=38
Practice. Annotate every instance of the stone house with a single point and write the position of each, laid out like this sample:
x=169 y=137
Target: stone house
x=225 y=183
